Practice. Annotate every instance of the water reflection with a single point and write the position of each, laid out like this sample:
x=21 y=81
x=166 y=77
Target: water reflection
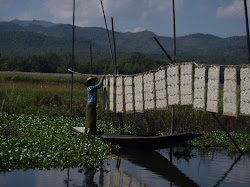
x=160 y=165
x=228 y=171
x=89 y=180
x=139 y=168
x=117 y=177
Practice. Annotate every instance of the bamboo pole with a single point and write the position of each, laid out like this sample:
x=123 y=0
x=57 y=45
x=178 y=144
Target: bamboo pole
x=110 y=48
x=113 y=32
x=174 y=32
x=91 y=63
x=173 y=108
x=248 y=44
x=247 y=30
x=164 y=50
x=72 y=62
x=120 y=116
x=229 y=135
x=68 y=178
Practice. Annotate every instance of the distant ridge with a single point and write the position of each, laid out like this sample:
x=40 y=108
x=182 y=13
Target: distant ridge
x=33 y=22
x=35 y=37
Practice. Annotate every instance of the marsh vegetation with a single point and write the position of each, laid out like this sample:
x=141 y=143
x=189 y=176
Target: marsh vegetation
x=36 y=127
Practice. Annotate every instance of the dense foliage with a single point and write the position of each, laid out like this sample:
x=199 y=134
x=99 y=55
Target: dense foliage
x=127 y=64
x=220 y=139
x=54 y=63
x=31 y=136
x=29 y=141
x=48 y=63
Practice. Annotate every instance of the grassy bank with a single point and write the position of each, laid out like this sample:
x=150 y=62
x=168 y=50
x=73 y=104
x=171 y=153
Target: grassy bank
x=41 y=94
x=46 y=95
x=49 y=94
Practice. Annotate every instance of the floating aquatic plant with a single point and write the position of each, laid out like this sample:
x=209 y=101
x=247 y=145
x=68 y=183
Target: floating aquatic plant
x=221 y=139
x=28 y=141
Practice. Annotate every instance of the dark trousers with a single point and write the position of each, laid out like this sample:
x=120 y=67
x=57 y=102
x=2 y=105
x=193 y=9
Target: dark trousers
x=91 y=118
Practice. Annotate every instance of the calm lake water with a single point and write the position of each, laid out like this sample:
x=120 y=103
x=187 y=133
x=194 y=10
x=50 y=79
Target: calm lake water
x=139 y=168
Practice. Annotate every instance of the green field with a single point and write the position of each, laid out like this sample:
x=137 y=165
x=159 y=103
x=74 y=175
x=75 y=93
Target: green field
x=35 y=105
x=49 y=94
x=41 y=94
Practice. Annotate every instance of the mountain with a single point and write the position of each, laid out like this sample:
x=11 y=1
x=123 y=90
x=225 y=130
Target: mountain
x=36 y=37
x=34 y=22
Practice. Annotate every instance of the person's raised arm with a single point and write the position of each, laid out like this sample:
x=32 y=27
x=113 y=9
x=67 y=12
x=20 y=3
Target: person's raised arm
x=103 y=77
x=99 y=85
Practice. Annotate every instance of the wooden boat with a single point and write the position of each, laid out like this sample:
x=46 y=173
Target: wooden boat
x=144 y=142
x=149 y=142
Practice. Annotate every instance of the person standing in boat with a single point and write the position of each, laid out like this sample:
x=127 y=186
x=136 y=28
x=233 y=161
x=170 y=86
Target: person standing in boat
x=92 y=88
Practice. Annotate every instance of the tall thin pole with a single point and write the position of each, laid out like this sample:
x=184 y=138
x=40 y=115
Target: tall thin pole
x=247 y=30
x=173 y=110
x=115 y=73
x=231 y=138
x=91 y=61
x=73 y=54
x=110 y=48
x=68 y=178
x=172 y=120
x=166 y=53
x=174 y=32
x=113 y=32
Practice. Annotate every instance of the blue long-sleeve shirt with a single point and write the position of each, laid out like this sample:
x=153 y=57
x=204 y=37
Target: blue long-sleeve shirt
x=92 y=92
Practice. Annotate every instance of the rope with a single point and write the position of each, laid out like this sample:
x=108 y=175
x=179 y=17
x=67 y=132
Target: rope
x=155 y=70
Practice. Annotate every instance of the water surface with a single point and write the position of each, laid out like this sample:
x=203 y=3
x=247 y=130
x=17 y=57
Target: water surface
x=140 y=168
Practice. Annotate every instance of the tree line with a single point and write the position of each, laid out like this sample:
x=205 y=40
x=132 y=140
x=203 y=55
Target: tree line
x=126 y=64
x=59 y=63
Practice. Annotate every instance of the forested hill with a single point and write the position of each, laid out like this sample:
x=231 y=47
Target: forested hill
x=25 y=38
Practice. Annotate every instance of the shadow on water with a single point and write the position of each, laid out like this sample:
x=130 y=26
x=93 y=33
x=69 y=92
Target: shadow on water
x=155 y=162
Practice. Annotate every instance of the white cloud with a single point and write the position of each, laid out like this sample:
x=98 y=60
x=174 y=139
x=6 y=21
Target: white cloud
x=89 y=12
x=137 y=29
x=32 y=14
x=159 y=7
x=22 y=9
x=162 y=6
x=61 y=10
x=235 y=9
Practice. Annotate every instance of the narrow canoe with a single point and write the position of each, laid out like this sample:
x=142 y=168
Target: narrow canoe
x=149 y=142
x=145 y=142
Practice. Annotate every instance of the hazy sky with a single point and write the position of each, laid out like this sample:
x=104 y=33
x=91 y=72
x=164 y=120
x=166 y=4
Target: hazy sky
x=218 y=17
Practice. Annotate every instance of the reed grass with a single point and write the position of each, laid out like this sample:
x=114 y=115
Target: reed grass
x=40 y=77
x=50 y=97
x=36 y=131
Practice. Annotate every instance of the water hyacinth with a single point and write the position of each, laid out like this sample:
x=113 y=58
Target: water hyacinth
x=218 y=139
x=29 y=141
